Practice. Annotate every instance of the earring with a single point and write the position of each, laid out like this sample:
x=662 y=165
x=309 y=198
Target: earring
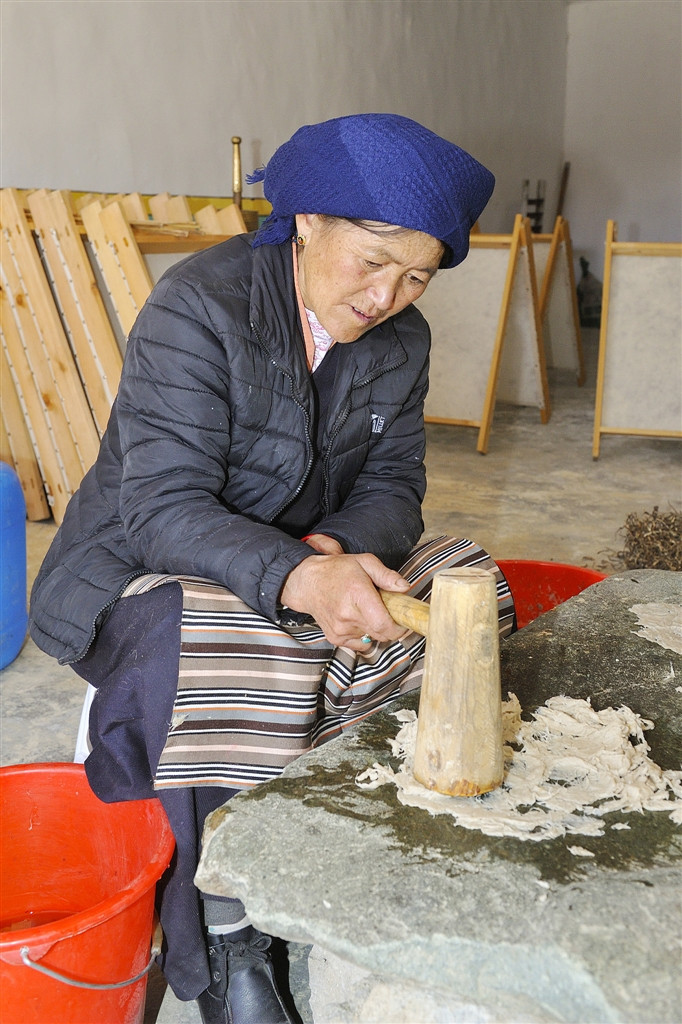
x=300 y=239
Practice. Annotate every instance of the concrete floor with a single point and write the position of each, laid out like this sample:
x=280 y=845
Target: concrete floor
x=537 y=494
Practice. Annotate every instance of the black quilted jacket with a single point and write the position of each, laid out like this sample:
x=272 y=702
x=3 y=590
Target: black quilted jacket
x=209 y=440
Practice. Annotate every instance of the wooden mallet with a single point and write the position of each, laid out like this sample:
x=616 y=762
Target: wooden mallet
x=459 y=748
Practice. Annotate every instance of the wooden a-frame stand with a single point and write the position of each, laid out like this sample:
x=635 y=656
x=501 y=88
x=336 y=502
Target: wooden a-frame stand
x=639 y=373
x=486 y=334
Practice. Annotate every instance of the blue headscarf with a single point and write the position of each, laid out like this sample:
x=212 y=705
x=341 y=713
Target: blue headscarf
x=380 y=167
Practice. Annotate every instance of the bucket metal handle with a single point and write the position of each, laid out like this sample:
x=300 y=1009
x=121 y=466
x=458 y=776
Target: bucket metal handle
x=157 y=940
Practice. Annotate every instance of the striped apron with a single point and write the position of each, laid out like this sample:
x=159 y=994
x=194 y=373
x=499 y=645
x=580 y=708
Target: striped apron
x=253 y=695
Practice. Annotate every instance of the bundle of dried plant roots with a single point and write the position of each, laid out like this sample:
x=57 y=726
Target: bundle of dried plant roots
x=652 y=540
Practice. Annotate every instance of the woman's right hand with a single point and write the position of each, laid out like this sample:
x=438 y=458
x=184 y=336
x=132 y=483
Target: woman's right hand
x=340 y=592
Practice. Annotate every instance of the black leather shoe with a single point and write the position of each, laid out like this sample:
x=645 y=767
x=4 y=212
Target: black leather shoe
x=212 y=1005
x=252 y=993
x=243 y=989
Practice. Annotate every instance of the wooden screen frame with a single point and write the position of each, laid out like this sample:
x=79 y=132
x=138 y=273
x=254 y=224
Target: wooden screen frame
x=519 y=245
x=613 y=251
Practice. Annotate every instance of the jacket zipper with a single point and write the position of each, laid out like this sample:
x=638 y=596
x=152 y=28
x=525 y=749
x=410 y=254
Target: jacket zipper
x=308 y=438
x=107 y=606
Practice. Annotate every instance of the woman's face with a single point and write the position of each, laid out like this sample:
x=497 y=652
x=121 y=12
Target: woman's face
x=353 y=278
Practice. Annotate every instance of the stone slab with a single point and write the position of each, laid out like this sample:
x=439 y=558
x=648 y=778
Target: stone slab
x=493 y=928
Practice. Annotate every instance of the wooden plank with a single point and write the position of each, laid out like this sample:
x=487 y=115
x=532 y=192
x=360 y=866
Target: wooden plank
x=642 y=432
x=53 y=445
x=228 y=221
x=120 y=237
x=65 y=384
x=170 y=209
x=16 y=445
x=109 y=265
x=157 y=240
x=158 y=205
x=207 y=219
x=92 y=339
x=81 y=199
x=134 y=206
x=545 y=263
x=120 y=260
x=231 y=220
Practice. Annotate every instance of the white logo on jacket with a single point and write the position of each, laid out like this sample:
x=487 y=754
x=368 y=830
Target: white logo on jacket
x=377 y=423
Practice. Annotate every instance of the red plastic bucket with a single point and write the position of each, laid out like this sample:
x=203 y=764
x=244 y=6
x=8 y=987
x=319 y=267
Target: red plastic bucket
x=77 y=884
x=539 y=586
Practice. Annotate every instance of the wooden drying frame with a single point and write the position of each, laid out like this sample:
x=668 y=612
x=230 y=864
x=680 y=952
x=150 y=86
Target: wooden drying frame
x=74 y=287
x=518 y=243
x=616 y=248
x=60 y=361
x=41 y=361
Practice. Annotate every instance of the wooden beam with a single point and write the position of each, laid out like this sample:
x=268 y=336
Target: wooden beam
x=494 y=372
x=157 y=239
x=647 y=249
x=547 y=277
x=611 y=235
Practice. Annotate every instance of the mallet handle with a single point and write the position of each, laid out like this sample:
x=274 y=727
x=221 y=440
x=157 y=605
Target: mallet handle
x=407 y=611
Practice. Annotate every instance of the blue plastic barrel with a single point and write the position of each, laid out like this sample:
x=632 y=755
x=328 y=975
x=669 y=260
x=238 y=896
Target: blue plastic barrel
x=13 y=615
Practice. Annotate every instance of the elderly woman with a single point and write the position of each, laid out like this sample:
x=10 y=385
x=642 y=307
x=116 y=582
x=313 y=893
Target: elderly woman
x=215 y=576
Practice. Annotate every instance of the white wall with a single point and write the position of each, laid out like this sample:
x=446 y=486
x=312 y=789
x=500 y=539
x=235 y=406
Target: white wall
x=145 y=95
x=623 y=132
